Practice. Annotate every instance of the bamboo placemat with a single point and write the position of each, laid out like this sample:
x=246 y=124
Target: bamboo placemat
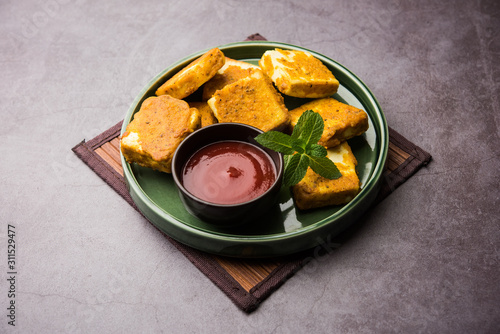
x=246 y=282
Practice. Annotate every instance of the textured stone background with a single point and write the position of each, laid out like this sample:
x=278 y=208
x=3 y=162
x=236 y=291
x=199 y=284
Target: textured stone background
x=425 y=260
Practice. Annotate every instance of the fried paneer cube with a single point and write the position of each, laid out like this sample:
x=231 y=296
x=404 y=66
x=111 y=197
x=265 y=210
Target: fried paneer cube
x=232 y=71
x=298 y=73
x=342 y=121
x=207 y=115
x=193 y=76
x=152 y=137
x=315 y=191
x=253 y=101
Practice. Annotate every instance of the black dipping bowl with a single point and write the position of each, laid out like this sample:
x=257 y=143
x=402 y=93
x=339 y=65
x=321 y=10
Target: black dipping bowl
x=224 y=214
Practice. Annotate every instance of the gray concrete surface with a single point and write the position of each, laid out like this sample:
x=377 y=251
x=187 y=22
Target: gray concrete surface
x=425 y=261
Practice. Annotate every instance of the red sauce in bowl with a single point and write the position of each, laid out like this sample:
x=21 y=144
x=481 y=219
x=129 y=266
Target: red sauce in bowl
x=229 y=172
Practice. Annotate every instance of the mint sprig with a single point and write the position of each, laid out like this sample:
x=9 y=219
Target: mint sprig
x=301 y=149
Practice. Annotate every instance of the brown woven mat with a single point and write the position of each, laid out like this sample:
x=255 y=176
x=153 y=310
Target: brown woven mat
x=246 y=282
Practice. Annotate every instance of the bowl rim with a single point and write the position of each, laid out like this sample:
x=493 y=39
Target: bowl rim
x=199 y=132
x=200 y=234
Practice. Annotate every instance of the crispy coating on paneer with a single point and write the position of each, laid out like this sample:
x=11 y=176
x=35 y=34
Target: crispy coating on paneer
x=252 y=100
x=190 y=78
x=298 y=73
x=232 y=71
x=342 y=121
x=152 y=137
x=207 y=115
x=315 y=191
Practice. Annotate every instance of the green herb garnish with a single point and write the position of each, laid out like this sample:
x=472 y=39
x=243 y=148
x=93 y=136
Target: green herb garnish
x=301 y=150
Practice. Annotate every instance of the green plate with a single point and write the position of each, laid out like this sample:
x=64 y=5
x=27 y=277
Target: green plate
x=284 y=230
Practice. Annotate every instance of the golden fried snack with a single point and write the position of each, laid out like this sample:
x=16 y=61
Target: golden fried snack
x=152 y=137
x=232 y=71
x=190 y=78
x=298 y=73
x=315 y=191
x=253 y=101
x=342 y=121
x=207 y=115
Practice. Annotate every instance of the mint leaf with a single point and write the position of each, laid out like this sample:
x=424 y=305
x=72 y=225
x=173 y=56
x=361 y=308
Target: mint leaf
x=309 y=127
x=298 y=145
x=296 y=169
x=301 y=150
x=276 y=141
x=324 y=167
x=286 y=161
x=317 y=150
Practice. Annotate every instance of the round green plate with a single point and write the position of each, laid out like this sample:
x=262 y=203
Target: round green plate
x=284 y=230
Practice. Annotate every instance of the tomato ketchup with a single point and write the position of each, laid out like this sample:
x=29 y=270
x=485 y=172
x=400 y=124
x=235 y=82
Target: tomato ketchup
x=229 y=172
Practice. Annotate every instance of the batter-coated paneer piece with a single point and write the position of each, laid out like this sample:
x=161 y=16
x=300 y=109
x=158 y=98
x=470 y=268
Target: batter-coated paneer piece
x=190 y=78
x=342 y=121
x=152 y=137
x=207 y=115
x=298 y=73
x=315 y=191
x=252 y=100
x=232 y=71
